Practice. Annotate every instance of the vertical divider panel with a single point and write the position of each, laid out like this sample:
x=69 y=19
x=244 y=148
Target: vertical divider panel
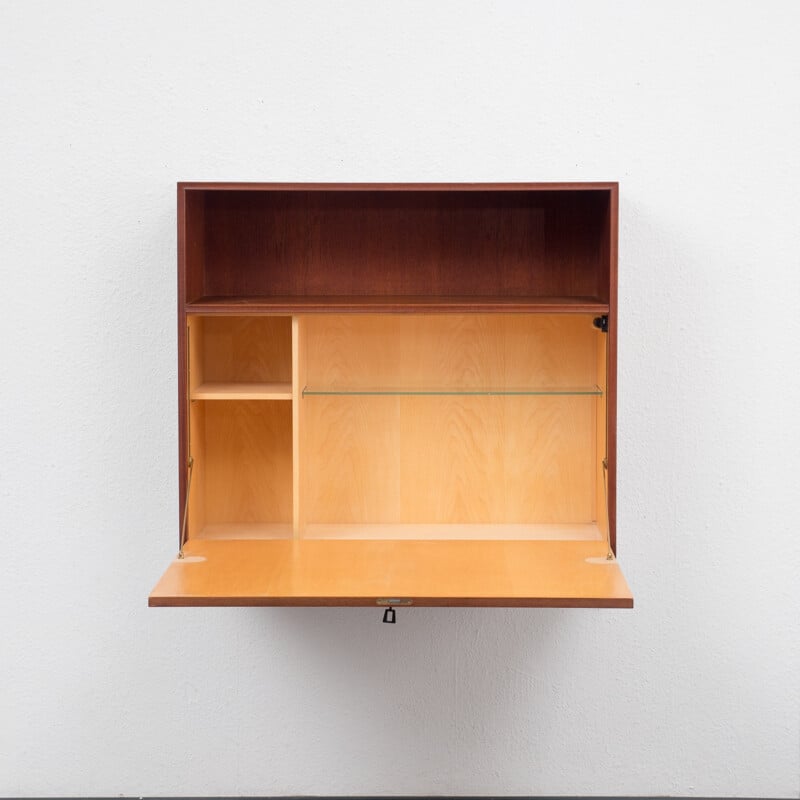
x=298 y=384
x=195 y=360
x=196 y=427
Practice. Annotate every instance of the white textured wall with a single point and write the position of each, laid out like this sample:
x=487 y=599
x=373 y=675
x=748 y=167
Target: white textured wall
x=694 y=108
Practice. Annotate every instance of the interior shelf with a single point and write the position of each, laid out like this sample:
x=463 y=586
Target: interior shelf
x=289 y=304
x=242 y=391
x=588 y=391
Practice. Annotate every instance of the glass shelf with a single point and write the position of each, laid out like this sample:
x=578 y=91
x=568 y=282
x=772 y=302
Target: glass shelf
x=533 y=391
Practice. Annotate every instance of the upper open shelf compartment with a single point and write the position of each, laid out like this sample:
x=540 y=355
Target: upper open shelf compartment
x=421 y=248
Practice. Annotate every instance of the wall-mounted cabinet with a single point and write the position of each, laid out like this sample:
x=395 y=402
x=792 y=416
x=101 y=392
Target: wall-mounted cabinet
x=396 y=394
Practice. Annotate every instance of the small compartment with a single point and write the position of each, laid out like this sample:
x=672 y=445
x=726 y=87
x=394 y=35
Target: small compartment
x=240 y=358
x=240 y=444
x=242 y=475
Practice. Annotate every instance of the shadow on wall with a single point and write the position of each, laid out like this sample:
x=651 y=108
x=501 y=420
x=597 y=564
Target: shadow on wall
x=434 y=693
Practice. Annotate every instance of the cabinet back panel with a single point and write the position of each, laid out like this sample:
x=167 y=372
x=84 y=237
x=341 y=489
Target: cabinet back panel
x=247 y=349
x=401 y=243
x=449 y=459
x=247 y=454
x=423 y=351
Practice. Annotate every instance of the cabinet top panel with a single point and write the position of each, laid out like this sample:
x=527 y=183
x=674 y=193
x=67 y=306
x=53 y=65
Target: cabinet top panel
x=400 y=187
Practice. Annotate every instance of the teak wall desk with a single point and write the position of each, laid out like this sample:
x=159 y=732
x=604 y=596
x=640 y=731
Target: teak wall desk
x=397 y=394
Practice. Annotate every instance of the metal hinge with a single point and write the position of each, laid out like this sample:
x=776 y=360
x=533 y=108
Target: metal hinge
x=189 y=470
x=609 y=551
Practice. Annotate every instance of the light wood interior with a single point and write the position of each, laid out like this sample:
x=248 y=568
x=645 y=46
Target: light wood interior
x=436 y=467
x=462 y=351
x=242 y=452
x=276 y=530
x=428 y=573
x=246 y=530
x=248 y=350
x=240 y=437
x=456 y=460
x=508 y=464
x=557 y=532
x=242 y=391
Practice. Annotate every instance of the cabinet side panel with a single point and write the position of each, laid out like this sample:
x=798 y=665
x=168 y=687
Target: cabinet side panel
x=183 y=364
x=191 y=276
x=607 y=242
x=195 y=244
x=611 y=394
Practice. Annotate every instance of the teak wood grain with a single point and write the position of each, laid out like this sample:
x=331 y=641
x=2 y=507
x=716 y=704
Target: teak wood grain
x=322 y=241
x=366 y=304
x=260 y=269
